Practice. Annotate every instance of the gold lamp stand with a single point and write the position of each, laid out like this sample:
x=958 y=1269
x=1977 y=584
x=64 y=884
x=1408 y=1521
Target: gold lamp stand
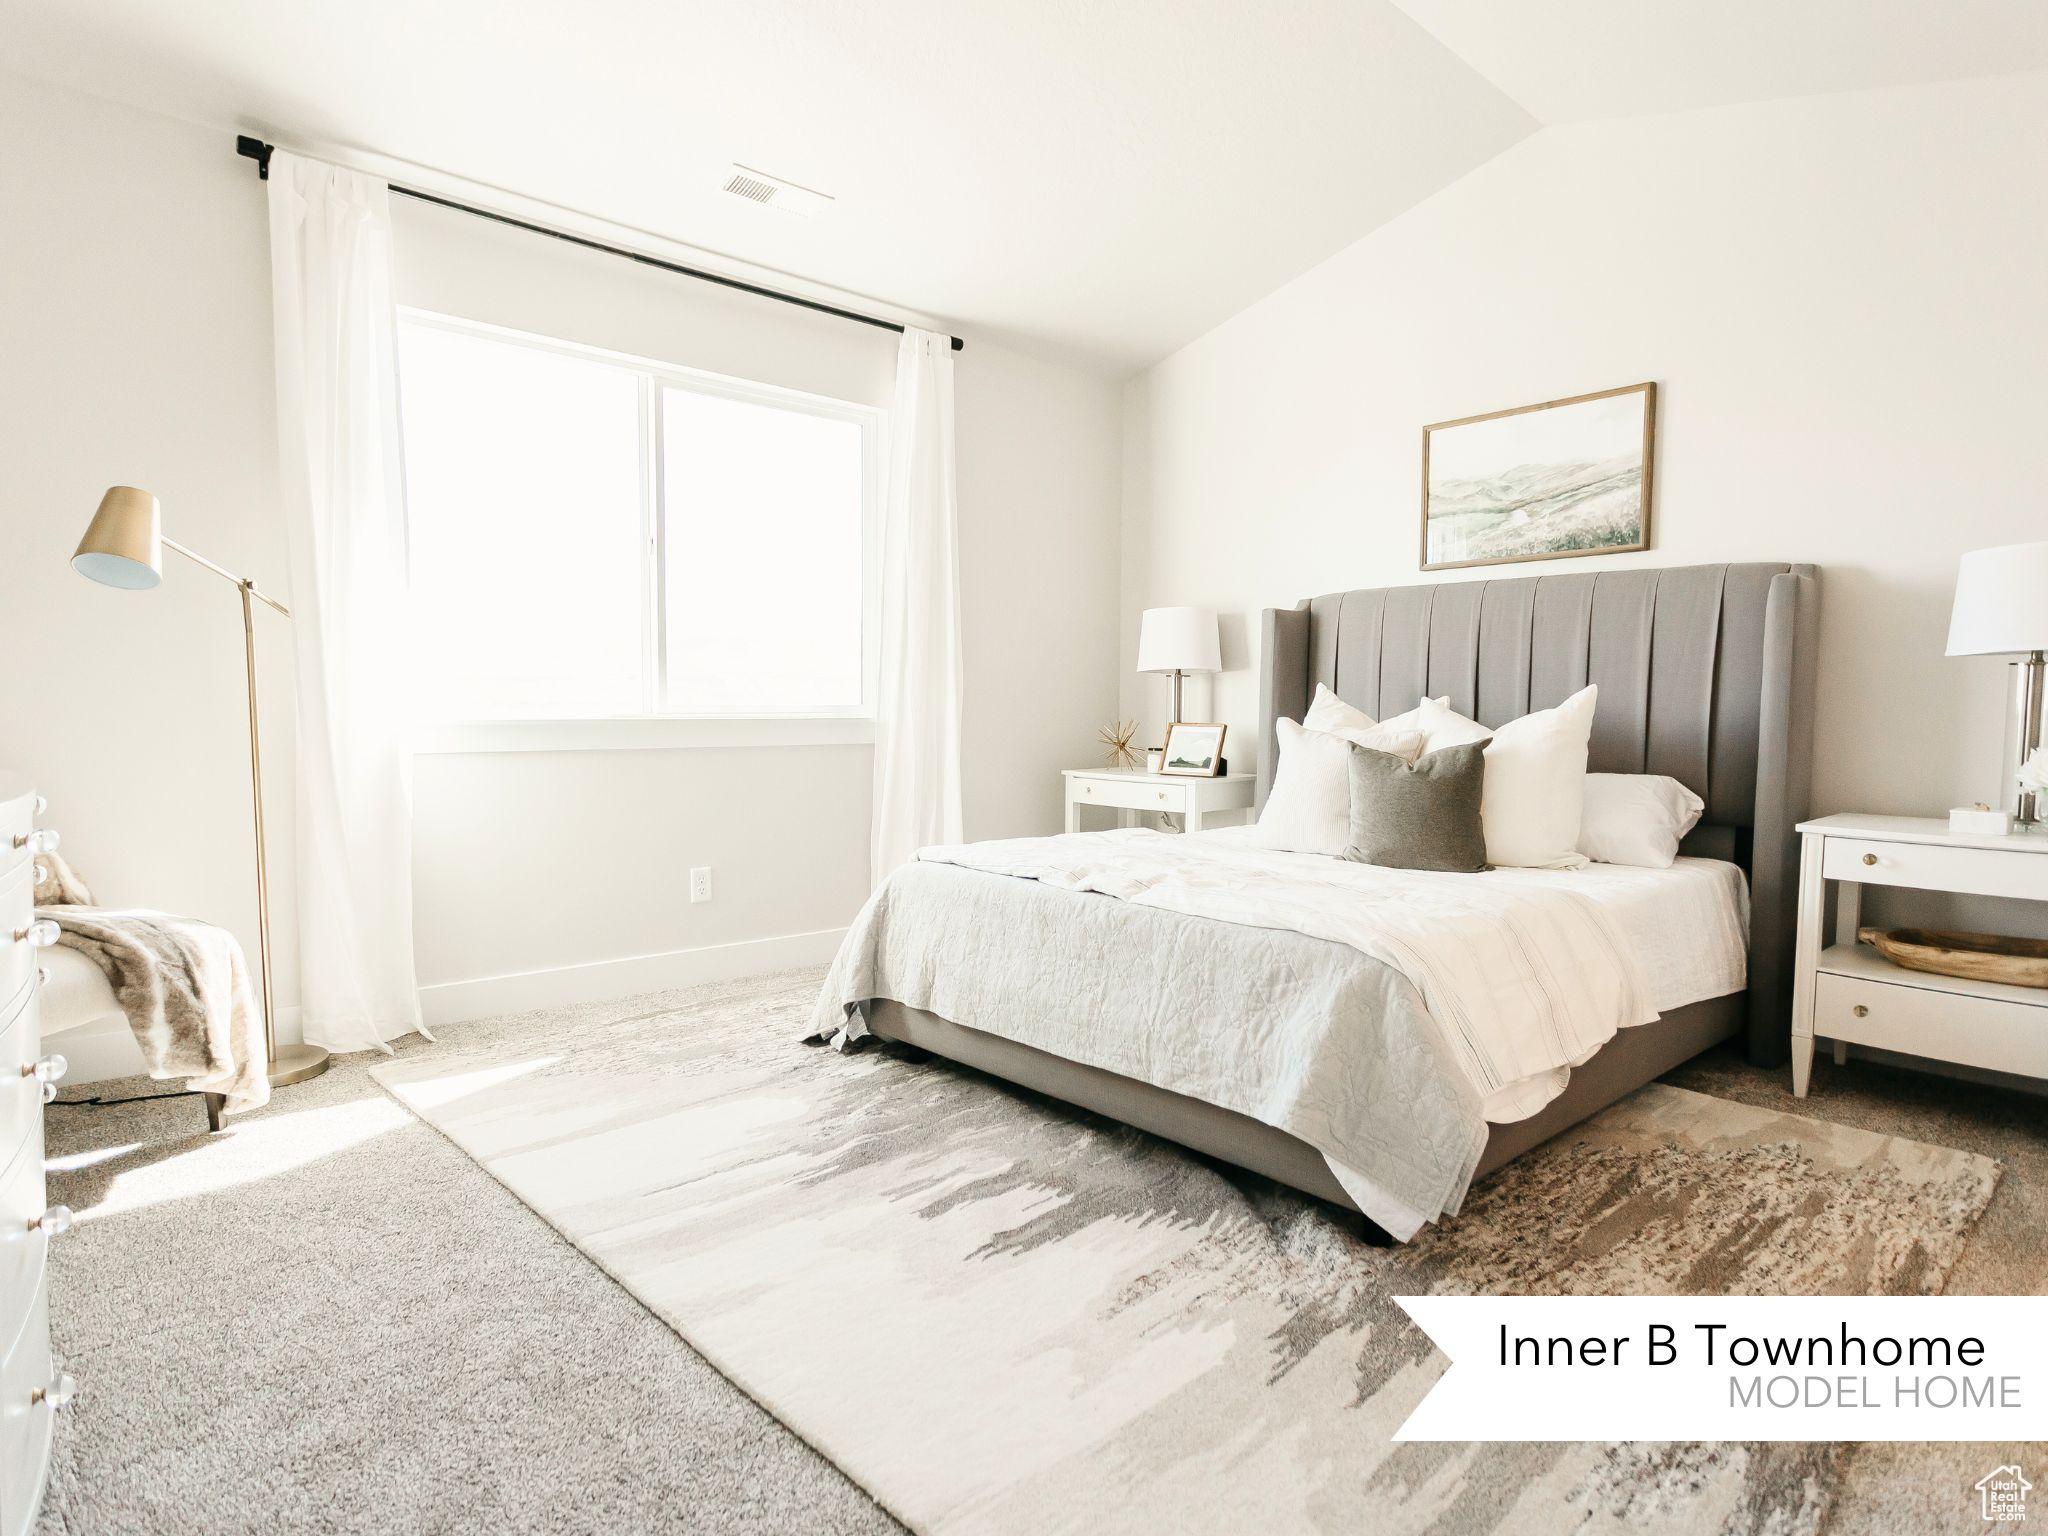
x=123 y=547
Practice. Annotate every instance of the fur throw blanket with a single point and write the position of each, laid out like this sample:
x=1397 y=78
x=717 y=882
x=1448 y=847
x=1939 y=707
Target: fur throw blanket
x=57 y=884
x=183 y=984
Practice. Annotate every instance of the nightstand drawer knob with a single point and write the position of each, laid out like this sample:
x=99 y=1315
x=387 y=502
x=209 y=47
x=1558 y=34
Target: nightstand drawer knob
x=1860 y=1011
x=1870 y=858
x=1162 y=794
x=43 y=840
x=55 y=1222
x=40 y=934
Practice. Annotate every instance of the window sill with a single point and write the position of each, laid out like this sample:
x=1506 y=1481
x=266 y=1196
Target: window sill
x=629 y=735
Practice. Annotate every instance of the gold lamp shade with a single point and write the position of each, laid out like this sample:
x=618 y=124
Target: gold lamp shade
x=123 y=547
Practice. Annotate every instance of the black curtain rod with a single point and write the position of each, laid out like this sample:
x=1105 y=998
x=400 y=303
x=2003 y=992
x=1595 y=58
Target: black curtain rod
x=257 y=150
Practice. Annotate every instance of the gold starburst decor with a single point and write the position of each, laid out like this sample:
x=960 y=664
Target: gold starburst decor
x=1116 y=736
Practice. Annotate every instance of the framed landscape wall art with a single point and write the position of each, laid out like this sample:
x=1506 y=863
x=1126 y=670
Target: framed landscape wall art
x=1567 y=477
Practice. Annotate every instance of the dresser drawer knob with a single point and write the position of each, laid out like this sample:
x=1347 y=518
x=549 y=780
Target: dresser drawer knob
x=40 y=934
x=1870 y=858
x=1162 y=794
x=57 y=1394
x=48 y=1070
x=1860 y=1011
x=54 y=1222
x=42 y=840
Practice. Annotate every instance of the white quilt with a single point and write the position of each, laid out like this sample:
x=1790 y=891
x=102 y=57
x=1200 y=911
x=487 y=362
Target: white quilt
x=1525 y=980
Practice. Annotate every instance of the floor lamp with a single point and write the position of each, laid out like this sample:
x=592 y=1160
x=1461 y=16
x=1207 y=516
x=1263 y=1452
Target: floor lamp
x=123 y=547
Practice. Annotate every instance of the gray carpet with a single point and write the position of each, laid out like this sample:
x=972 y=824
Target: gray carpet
x=329 y=1319
x=332 y=1320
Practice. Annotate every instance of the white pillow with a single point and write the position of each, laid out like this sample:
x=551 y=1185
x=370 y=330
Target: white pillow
x=1535 y=793
x=1636 y=818
x=1332 y=716
x=1327 y=712
x=1309 y=807
x=1443 y=726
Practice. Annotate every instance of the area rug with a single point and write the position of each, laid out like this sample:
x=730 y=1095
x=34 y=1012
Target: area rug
x=1000 y=1315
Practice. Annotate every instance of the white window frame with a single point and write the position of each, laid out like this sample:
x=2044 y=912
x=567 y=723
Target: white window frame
x=653 y=726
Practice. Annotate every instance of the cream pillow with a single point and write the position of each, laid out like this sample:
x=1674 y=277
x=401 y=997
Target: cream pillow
x=1309 y=807
x=1636 y=818
x=1535 y=796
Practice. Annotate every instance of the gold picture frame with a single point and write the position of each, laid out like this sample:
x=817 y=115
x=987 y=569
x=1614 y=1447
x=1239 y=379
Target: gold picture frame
x=1200 y=753
x=1579 y=484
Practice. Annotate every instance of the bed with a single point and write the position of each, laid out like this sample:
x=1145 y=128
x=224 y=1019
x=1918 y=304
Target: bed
x=1705 y=674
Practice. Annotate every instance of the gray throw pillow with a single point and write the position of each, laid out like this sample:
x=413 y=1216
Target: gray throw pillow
x=1423 y=815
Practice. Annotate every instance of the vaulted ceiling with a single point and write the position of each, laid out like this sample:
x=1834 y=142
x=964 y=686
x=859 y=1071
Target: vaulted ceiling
x=1101 y=181
x=1569 y=60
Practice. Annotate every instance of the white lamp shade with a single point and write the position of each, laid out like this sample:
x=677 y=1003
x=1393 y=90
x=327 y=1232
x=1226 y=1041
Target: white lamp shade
x=2001 y=601
x=1179 y=640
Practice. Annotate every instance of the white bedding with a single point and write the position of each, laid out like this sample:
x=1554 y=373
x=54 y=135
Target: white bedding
x=1525 y=972
x=1687 y=933
x=1382 y=1016
x=1689 y=924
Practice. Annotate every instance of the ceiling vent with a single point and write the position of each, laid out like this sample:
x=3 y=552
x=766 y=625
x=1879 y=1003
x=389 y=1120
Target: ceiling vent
x=773 y=192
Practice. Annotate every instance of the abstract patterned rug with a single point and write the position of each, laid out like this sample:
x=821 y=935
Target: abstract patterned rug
x=999 y=1315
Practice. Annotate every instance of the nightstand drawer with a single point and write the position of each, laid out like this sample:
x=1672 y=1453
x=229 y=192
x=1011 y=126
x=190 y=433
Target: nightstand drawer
x=1977 y=1031
x=1928 y=867
x=1130 y=794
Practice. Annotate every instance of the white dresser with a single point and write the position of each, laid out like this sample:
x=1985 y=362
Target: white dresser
x=31 y=1388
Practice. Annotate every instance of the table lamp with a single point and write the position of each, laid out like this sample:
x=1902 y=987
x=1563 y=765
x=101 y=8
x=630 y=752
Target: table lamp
x=2002 y=610
x=1179 y=641
x=123 y=547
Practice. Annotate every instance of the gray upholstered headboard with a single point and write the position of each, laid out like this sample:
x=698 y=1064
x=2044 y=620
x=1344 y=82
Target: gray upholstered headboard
x=1705 y=673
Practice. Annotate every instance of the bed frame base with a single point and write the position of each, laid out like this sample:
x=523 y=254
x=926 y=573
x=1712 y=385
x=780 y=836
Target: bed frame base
x=1628 y=1061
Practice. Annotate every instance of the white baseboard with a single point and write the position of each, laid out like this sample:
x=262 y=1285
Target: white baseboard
x=450 y=1002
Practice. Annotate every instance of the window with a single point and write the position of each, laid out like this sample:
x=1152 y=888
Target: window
x=599 y=537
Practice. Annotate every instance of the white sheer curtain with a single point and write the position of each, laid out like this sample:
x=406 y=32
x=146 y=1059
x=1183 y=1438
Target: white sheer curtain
x=917 y=721
x=344 y=503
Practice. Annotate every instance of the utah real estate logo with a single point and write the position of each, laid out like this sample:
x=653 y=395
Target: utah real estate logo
x=2005 y=1495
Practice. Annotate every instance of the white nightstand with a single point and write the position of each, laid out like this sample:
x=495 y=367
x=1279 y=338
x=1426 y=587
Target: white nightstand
x=1128 y=789
x=1845 y=993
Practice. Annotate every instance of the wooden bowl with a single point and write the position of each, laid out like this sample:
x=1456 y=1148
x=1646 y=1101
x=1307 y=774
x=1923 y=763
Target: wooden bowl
x=1972 y=956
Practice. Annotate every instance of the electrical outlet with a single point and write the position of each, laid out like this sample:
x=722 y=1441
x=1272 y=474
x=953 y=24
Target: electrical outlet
x=700 y=883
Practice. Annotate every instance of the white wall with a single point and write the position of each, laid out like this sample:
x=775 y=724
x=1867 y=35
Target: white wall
x=598 y=867
x=572 y=861
x=136 y=344
x=135 y=349
x=1840 y=299
x=1039 y=462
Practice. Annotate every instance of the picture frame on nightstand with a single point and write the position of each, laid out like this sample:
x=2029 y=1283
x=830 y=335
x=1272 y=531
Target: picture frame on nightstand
x=1194 y=750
